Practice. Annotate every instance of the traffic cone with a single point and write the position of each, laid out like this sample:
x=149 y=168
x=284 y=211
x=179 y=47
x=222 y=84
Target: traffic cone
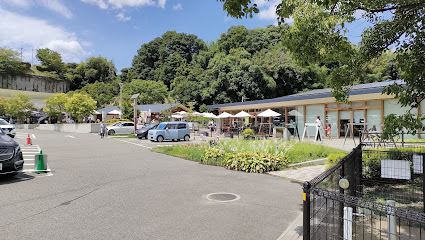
x=28 y=140
x=40 y=164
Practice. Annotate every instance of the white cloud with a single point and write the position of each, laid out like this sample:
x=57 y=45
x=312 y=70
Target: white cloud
x=161 y=3
x=121 y=17
x=267 y=9
x=58 y=7
x=178 y=6
x=18 y=3
x=18 y=31
x=100 y=3
x=54 y=5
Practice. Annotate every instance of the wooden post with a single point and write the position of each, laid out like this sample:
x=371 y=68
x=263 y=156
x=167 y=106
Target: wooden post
x=382 y=112
x=304 y=114
x=286 y=115
x=352 y=123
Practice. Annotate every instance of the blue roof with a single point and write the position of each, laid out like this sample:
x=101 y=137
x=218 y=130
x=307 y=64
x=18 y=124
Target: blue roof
x=155 y=108
x=368 y=88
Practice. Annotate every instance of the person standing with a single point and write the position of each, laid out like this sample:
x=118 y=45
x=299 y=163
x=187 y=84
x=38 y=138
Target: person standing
x=102 y=130
x=318 y=123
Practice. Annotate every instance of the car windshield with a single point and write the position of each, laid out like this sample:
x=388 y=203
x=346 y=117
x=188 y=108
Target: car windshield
x=150 y=126
x=116 y=124
x=3 y=122
x=161 y=126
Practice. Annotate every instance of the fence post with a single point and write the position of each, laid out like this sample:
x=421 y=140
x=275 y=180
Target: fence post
x=341 y=206
x=423 y=181
x=402 y=138
x=359 y=171
x=306 y=210
x=392 y=222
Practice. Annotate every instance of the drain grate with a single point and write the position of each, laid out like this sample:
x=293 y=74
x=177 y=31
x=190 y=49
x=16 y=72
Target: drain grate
x=223 y=197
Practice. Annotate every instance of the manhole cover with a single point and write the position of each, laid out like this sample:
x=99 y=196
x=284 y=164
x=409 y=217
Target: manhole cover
x=223 y=197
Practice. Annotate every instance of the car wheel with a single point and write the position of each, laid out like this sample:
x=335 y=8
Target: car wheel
x=111 y=132
x=160 y=138
x=139 y=137
x=186 y=138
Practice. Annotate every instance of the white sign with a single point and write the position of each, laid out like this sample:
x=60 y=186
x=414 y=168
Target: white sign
x=396 y=169
x=418 y=160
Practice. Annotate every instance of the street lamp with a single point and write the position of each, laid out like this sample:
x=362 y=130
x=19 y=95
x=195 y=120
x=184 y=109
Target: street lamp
x=244 y=98
x=121 y=84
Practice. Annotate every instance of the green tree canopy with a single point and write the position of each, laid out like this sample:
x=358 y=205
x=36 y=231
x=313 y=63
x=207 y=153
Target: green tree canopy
x=19 y=106
x=80 y=105
x=55 y=105
x=10 y=63
x=150 y=91
x=51 y=61
x=4 y=103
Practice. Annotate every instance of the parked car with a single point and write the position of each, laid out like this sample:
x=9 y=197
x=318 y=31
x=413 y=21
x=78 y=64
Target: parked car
x=11 y=159
x=170 y=131
x=7 y=128
x=143 y=132
x=120 y=128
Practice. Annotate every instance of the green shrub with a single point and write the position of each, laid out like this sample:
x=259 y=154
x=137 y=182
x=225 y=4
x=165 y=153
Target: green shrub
x=254 y=162
x=213 y=156
x=117 y=120
x=333 y=158
x=248 y=133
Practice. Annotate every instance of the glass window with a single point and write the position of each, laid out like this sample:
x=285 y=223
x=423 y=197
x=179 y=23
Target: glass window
x=312 y=111
x=374 y=119
x=299 y=118
x=373 y=103
x=357 y=104
x=344 y=105
x=3 y=122
x=331 y=119
x=161 y=126
x=181 y=126
x=171 y=126
x=332 y=105
x=130 y=124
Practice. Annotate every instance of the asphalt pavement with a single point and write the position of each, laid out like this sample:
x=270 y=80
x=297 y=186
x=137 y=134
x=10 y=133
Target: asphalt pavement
x=120 y=189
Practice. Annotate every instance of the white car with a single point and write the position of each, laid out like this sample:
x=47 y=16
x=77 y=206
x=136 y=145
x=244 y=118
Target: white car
x=7 y=128
x=120 y=128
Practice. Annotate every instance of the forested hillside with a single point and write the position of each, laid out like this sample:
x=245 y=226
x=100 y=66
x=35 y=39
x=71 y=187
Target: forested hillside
x=180 y=67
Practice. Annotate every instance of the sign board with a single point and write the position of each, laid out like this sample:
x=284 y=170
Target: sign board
x=418 y=161
x=395 y=169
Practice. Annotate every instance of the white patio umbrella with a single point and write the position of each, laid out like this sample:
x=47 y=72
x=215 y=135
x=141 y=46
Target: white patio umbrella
x=294 y=112
x=181 y=113
x=242 y=114
x=196 y=114
x=209 y=115
x=177 y=116
x=114 y=112
x=225 y=115
x=269 y=113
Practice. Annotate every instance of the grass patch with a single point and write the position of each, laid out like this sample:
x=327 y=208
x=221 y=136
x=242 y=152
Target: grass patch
x=191 y=152
x=122 y=136
x=294 y=152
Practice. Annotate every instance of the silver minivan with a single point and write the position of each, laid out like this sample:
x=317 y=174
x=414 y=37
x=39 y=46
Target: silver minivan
x=170 y=131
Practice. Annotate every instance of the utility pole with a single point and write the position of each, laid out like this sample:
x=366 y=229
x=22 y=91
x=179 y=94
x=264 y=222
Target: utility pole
x=121 y=84
x=21 y=53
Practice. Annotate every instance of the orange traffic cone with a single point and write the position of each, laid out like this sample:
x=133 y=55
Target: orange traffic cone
x=28 y=140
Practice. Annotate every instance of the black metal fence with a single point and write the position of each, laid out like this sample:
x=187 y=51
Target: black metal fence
x=372 y=193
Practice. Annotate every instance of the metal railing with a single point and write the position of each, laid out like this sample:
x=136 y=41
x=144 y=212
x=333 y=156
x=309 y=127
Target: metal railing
x=384 y=197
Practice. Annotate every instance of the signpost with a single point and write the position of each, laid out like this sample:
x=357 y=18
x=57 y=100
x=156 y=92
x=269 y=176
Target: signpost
x=134 y=97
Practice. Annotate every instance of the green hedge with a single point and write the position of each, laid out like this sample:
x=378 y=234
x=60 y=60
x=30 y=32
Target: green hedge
x=333 y=158
x=117 y=120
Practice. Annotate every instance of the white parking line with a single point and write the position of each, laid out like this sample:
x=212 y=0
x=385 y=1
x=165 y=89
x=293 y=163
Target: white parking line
x=140 y=145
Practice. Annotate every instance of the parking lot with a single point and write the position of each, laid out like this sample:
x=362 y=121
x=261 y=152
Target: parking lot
x=119 y=188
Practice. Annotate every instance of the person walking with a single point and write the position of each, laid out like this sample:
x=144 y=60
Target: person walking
x=102 y=130
x=328 y=131
x=318 y=123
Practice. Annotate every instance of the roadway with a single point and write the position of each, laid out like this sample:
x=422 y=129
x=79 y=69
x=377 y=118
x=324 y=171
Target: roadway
x=121 y=189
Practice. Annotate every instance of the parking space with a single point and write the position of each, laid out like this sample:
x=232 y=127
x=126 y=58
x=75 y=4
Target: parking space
x=29 y=152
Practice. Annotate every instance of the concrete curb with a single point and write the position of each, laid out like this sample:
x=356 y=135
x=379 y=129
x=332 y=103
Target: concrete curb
x=308 y=163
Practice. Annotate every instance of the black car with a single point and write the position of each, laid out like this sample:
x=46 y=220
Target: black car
x=143 y=132
x=11 y=159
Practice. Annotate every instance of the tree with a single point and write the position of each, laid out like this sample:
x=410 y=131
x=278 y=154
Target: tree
x=51 y=61
x=55 y=105
x=318 y=35
x=80 y=105
x=10 y=63
x=19 y=106
x=150 y=91
x=4 y=102
x=102 y=93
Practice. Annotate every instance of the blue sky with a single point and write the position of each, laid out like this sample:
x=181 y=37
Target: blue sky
x=115 y=29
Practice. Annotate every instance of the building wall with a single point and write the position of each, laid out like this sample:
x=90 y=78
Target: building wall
x=34 y=84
